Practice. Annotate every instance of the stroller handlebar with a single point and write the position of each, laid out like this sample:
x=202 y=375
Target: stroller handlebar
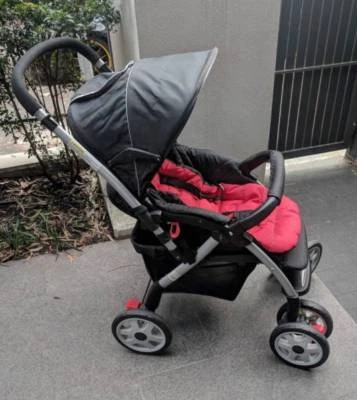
x=18 y=76
x=277 y=170
x=277 y=175
x=256 y=217
x=276 y=186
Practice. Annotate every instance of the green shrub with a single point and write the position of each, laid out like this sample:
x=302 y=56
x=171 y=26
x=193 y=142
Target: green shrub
x=22 y=25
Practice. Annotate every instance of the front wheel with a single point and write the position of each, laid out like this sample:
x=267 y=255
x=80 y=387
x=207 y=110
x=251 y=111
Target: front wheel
x=299 y=345
x=141 y=331
x=310 y=313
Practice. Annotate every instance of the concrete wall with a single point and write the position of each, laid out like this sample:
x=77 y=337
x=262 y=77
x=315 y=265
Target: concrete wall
x=232 y=114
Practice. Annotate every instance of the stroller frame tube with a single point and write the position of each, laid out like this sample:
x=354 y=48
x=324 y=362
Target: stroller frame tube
x=274 y=269
x=140 y=211
x=152 y=300
x=206 y=248
x=209 y=245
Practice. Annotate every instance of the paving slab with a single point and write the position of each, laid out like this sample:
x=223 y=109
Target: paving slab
x=55 y=339
x=325 y=186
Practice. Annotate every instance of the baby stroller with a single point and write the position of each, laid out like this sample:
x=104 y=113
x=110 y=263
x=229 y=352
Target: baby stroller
x=203 y=221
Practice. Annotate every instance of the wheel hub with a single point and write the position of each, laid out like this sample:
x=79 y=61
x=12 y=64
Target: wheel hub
x=298 y=348
x=140 y=336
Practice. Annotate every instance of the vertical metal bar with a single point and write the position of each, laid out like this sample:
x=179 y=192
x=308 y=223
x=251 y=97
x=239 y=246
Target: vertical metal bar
x=346 y=84
x=312 y=78
x=331 y=71
x=303 y=73
x=339 y=73
x=321 y=76
x=293 y=81
x=350 y=131
x=283 y=83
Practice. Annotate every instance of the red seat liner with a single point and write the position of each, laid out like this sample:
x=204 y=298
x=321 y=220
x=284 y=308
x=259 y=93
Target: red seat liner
x=277 y=233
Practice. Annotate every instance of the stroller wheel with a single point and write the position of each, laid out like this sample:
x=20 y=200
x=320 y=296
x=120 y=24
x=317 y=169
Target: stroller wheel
x=299 y=345
x=310 y=313
x=141 y=331
x=314 y=254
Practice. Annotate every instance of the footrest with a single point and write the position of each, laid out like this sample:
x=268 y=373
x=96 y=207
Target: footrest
x=132 y=304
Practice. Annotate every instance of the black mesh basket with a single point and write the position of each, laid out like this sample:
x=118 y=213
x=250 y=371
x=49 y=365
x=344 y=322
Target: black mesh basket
x=219 y=275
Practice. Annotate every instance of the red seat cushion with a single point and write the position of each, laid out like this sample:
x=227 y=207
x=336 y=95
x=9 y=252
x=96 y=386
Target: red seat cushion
x=278 y=233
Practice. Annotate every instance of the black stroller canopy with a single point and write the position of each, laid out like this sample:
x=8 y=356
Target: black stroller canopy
x=130 y=119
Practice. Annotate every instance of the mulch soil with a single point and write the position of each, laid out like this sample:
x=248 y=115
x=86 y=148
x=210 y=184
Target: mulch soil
x=36 y=217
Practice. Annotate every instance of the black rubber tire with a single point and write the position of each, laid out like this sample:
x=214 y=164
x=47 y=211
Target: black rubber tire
x=318 y=246
x=145 y=315
x=310 y=305
x=307 y=330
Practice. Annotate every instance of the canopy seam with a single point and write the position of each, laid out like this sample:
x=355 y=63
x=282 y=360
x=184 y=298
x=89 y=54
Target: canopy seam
x=128 y=122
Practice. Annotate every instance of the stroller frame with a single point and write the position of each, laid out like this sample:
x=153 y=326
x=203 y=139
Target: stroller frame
x=156 y=290
x=149 y=220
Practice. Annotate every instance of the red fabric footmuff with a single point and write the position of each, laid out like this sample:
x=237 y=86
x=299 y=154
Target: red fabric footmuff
x=278 y=233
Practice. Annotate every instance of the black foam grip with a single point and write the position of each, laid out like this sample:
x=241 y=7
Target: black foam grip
x=277 y=175
x=256 y=216
x=276 y=187
x=18 y=77
x=277 y=169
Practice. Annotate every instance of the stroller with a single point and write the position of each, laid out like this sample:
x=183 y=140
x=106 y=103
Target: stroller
x=204 y=222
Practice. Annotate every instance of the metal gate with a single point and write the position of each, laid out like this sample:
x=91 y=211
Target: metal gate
x=316 y=67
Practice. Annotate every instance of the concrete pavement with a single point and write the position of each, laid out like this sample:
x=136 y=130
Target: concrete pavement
x=325 y=187
x=55 y=339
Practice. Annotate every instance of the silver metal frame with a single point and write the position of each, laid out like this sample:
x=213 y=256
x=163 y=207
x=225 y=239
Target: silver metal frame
x=41 y=114
x=209 y=245
x=202 y=252
x=274 y=269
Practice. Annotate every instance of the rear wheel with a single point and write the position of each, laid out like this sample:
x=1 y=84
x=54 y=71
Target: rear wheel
x=141 y=331
x=311 y=314
x=299 y=345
